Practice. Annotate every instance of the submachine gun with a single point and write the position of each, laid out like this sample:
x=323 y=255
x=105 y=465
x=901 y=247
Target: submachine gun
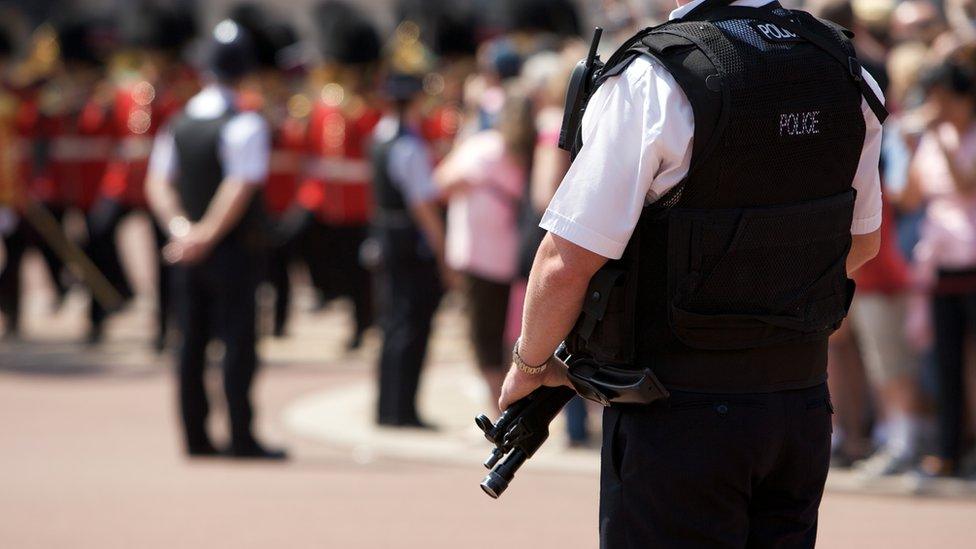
x=524 y=426
x=518 y=433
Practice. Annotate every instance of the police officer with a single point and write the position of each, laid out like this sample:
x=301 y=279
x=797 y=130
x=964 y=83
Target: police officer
x=204 y=187
x=706 y=230
x=409 y=228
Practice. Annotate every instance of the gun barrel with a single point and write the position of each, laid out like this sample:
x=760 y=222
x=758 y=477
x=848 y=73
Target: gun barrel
x=499 y=478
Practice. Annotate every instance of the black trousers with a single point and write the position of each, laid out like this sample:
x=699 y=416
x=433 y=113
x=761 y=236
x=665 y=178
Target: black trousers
x=276 y=274
x=717 y=471
x=103 y=225
x=16 y=245
x=332 y=254
x=216 y=300
x=410 y=292
x=953 y=315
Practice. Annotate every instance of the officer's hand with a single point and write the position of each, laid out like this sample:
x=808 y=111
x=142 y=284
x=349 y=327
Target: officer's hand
x=189 y=249
x=518 y=384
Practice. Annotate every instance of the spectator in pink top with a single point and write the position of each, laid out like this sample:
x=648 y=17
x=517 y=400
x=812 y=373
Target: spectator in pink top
x=484 y=178
x=943 y=176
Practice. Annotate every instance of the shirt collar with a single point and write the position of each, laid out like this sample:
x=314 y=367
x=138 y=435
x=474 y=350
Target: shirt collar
x=212 y=102
x=683 y=10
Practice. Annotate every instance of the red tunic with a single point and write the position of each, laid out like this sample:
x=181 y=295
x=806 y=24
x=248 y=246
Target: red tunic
x=27 y=128
x=287 y=159
x=140 y=110
x=78 y=147
x=338 y=184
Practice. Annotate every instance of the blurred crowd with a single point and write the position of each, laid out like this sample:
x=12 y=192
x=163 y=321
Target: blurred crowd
x=85 y=93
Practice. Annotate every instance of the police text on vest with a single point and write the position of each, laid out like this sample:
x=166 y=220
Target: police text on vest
x=772 y=33
x=799 y=123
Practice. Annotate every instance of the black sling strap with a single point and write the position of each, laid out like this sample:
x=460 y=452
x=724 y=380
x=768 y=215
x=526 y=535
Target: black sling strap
x=850 y=62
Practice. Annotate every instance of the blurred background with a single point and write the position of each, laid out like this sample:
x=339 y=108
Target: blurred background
x=91 y=449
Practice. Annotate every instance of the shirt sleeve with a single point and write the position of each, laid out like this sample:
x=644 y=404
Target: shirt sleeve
x=411 y=170
x=637 y=134
x=162 y=159
x=867 y=179
x=245 y=148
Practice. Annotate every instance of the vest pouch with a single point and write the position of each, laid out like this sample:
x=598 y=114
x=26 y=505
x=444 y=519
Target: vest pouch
x=749 y=278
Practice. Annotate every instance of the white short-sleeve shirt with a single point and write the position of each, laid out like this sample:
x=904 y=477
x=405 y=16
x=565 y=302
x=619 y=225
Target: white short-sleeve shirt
x=245 y=141
x=637 y=133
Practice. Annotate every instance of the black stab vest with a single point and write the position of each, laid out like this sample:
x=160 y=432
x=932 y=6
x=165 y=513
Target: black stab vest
x=734 y=279
x=200 y=173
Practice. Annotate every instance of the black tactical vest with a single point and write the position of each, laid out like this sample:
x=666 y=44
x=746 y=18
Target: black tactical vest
x=734 y=280
x=200 y=173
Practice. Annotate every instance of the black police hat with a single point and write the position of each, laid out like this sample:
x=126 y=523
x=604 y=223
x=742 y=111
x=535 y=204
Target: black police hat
x=403 y=86
x=231 y=51
x=345 y=35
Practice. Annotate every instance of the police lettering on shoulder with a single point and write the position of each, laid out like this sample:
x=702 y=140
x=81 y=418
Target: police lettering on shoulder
x=746 y=139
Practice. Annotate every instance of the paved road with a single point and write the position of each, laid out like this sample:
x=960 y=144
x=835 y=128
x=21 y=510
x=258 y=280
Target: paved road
x=89 y=458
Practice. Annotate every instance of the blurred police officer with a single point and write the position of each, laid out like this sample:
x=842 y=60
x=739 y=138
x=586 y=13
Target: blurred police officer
x=409 y=228
x=205 y=181
x=717 y=172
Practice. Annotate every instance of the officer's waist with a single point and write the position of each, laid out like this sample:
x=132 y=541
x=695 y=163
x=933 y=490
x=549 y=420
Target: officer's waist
x=767 y=369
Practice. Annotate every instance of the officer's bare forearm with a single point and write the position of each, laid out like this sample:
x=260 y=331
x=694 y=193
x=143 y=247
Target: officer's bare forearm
x=863 y=249
x=429 y=220
x=227 y=207
x=557 y=285
x=163 y=200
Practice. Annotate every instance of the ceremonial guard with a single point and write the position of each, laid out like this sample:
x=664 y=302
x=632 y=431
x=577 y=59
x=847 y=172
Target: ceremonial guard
x=58 y=150
x=274 y=93
x=337 y=187
x=151 y=84
x=204 y=186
